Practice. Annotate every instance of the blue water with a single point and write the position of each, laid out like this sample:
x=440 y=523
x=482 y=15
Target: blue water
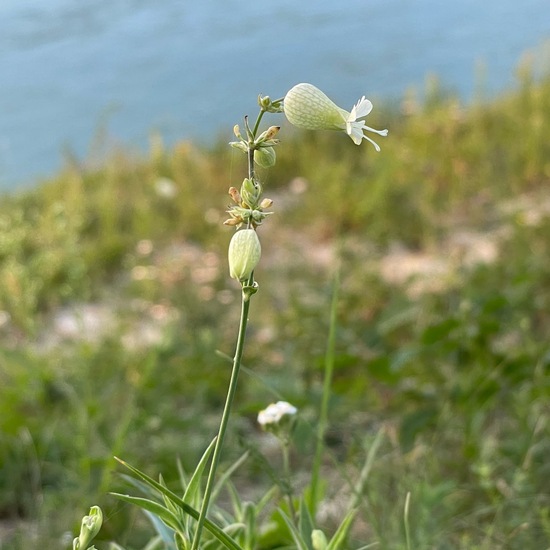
x=190 y=69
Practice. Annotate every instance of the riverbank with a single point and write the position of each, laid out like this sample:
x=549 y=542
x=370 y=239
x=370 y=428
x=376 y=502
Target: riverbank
x=115 y=298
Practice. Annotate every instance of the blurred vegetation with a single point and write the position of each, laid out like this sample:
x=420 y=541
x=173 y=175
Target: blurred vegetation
x=114 y=301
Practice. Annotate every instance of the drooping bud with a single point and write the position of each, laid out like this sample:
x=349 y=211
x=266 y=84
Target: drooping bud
x=265 y=157
x=244 y=254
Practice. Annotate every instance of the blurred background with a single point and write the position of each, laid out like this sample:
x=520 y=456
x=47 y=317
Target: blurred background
x=117 y=313
x=71 y=69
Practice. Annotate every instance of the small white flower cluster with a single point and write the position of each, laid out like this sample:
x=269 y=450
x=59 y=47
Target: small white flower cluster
x=275 y=413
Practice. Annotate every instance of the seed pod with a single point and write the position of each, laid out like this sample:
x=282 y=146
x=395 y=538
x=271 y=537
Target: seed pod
x=244 y=254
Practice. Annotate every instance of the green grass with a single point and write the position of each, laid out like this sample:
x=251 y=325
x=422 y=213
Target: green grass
x=457 y=378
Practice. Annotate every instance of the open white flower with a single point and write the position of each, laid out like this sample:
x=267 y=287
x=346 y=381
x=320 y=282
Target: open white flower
x=275 y=413
x=305 y=106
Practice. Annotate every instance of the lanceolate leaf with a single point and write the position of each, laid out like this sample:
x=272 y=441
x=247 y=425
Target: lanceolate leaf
x=212 y=527
x=306 y=524
x=192 y=492
x=301 y=544
x=155 y=508
x=341 y=534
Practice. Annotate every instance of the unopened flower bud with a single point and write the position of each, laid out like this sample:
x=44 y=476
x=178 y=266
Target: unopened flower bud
x=266 y=203
x=235 y=195
x=250 y=192
x=264 y=102
x=271 y=132
x=244 y=254
x=265 y=157
x=318 y=540
x=258 y=216
x=91 y=524
x=237 y=131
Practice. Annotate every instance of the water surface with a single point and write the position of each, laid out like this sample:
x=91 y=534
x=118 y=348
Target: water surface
x=192 y=69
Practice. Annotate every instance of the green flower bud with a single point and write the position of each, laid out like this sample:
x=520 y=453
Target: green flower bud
x=250 y=193
x=239 y=145
x=264 y=102
x=318 y=540
x=265 y=157
x=244 y=254
x=91 y=524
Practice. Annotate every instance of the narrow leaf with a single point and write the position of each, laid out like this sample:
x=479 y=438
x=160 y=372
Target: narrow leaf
x=166 y=534
x=294 y=531
x=337 y=541
x=306 y=524
x=227 y=474
x=155 y=508
x=212 y=527
x=192 y=493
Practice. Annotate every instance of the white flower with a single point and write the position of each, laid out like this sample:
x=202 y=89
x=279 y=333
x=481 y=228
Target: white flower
x=308 y=107
x=275 y=412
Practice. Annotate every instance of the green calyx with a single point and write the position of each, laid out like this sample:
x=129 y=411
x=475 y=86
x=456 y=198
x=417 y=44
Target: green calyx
x=244 y=254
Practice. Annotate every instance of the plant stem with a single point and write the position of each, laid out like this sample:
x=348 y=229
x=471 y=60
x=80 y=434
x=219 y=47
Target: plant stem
x=224 y=420
x=406 y=520
x=327 y=384
x=285 y=443
x=251 y=148
x=245 y=306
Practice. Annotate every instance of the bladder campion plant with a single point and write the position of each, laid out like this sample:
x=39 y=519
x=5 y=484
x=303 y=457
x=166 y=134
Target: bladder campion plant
x=306 y=107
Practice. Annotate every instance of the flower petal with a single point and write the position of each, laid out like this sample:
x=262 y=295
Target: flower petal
x=355 y=132
x=361 y=109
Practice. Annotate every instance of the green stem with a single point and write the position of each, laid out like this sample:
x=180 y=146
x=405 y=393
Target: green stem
x=257 y=124
x=251 y=148
x=234 y=373
x=327 y=384
x=248 y=290
x=224 y=420
x=285 y=443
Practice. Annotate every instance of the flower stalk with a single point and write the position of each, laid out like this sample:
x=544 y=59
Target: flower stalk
x=307 y=107
x=245 y=306
x=242 y=268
